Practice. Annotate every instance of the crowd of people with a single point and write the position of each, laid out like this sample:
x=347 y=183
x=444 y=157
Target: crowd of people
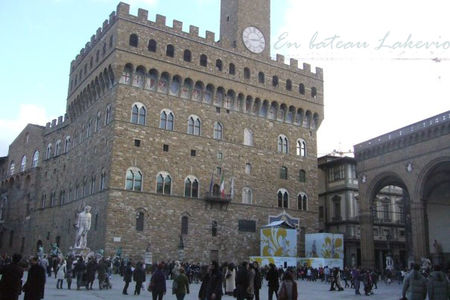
x=242 y=282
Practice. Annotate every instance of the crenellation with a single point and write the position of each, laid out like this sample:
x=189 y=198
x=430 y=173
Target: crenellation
x=98 y=34
x=47 y=125
x=280 y=58
x=319 y=72
x=193 y=31
x=105 y=25
x=112 y=17
x=177 y=25
x=160 y=20
x=123 y=9
x=306 y=68
x=53 y=122
x=210 y=37
x=293 y=63
x=142 y=15
x=60 y=120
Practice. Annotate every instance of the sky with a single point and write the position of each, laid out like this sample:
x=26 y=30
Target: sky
x=386 y=63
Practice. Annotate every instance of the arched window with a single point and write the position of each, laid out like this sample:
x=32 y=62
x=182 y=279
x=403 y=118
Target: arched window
x=48 y=154
x=139 y=78
x=218 y=131
x=175 y=86
x=283 y=144
x=283 y=172
x=138 y=114
x=246 y=73
x=219 y=65
x=275 y=81
x=126 y=74
x=289 y=85
x=301 y=88
x=302 y=202
x=153 y=79
x=283 y=198
x=107 y=115
x=170 y=51
x=186 y=90
x=140 y=221
x=163 y=84
x=133 y=180
x=35 y=162
x=302 y=175
x=191 y=187
x=134 y=40
x=313 y=92
x=220 y=95
x=203 y=60
x=231 y=69
x=184 y=225
x=67 y=144
x=98 y=121
x=152 y=45
x=247 y=195
x=58 y=148
x=209 y=92
x=163 y=183
x=166 y=120
x=23 y=164
x=248 y=137
x=194 y=125
x=261 y=77
x=187 y=56
x=301 y=148
x=197 y=94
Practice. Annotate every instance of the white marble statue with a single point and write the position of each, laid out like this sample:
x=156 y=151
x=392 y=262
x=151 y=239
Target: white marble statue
x=83 y=226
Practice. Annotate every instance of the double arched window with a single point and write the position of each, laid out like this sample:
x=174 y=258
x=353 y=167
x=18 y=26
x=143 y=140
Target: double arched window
x=138 y=114
x=163 y=183
x=134 y=180
x=58 y=148
x=283 y=144
x=301 y=148
x=283 y=198
x=194 y=125
x=67 y=144
x=191 y=187
x=166 y=120
x=302 y=201
x=48 y=155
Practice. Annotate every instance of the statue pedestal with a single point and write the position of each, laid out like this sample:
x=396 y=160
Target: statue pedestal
x=83 y=252
x=437 y=258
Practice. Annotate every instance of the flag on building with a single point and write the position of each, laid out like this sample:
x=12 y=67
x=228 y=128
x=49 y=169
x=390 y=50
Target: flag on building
x=232 y=188
x=222 y=186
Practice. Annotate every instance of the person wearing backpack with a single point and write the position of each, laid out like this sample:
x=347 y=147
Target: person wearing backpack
x=288 y=288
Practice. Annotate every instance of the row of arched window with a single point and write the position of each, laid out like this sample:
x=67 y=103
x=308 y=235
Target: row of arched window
x=209 y=94
x=86 y=187
x=152 y=46
x=134 y=182
x=283 y=200
x=92 y=92
x=23 y=163
x=84 y=70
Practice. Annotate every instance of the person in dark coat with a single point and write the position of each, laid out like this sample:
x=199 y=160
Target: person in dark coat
x=214 y=287
x=35 y=284
x=79 y=269
x=242 y=281
x=274 y=283
x=258 y=280
x=127 y=275
x=204 y=280
x=91 y=268
x=139 y=278
x=101 y=269
x=69 y=271
x=11 y=282
x=158 y=283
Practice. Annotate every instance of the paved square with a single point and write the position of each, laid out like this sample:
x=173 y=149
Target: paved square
x=307 y=291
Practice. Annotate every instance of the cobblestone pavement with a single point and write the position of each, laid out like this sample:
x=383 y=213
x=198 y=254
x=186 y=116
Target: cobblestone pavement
x=307 y=291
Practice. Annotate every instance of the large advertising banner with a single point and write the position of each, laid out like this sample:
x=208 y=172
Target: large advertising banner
x=280 y=262
x=276 y=241
x=324 y=245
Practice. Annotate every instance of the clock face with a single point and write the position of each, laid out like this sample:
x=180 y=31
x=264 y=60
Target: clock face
x=253 y=39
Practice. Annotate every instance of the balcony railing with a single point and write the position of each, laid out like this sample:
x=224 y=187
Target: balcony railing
x=217 y=198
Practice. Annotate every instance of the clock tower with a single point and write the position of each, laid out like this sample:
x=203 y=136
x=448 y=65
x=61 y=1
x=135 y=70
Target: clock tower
x=245 y=26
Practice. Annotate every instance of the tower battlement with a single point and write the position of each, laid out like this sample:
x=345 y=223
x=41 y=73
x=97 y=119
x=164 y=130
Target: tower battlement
x=123 y=12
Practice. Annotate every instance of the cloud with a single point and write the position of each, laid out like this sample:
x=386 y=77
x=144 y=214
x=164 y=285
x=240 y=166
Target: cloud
x=10 y=128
